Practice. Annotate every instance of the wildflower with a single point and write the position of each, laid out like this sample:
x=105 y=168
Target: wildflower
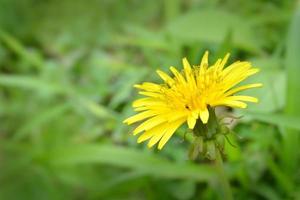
x=188 y=96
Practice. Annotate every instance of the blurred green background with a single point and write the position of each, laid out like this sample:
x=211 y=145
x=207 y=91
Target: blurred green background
x=66 y=73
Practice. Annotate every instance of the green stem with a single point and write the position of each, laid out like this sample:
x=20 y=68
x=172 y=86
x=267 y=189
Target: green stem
x=223 y=178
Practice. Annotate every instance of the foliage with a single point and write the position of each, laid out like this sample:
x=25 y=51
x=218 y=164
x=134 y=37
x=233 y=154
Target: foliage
x=66 y=75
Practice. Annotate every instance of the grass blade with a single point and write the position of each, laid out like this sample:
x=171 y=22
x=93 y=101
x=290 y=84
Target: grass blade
x=277 y=119
x=291 y=137
x=133 y=159
x=13 y=44
x=28 y=82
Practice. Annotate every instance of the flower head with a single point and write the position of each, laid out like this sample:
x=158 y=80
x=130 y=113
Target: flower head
x=186 y=96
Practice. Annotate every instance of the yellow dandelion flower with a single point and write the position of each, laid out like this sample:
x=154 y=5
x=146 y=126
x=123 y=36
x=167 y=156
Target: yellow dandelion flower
x=186 y=96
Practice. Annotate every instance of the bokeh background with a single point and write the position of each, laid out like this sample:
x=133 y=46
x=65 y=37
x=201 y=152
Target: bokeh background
x=66 y=73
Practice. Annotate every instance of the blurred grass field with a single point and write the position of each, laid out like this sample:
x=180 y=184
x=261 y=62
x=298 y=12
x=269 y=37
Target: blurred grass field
x=66 y=75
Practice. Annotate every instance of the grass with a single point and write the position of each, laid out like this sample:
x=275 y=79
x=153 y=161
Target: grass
x=66 y=75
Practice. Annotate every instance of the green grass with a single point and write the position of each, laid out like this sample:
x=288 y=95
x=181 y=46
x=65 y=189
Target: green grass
x=66 y=75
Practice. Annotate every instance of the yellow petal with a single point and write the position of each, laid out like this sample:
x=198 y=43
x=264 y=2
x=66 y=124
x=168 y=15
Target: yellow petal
x=176 y=116
x=165 y=77
x=204 y=61
x=252 y=71
x=151 y=87
x=156 y=137
x=191 y=120
x=141 y=102
x=140 y=116
x=145 y=136
x=204 y=115
x=238 y=73
x=236 y=104
x=224 y=61
x=150 y=123
x=148 y=102
x=189 y=74
x=236 y=68
x=178 y=75
x=230 y=103
x=195 y=114
x=151 y=94
x=148 y=134
x=186 y=65
x=243 y=98
x=170 y=131
x=241 y=88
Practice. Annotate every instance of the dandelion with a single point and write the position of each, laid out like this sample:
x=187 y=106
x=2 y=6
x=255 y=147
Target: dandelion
x=188 y=96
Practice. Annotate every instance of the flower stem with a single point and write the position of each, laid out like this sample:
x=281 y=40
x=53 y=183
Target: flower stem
x=223 y=178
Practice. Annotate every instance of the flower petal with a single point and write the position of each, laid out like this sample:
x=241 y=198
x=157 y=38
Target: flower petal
x=150 y=123
x=173 y=127
x=189 y=74
x=241 y=88
x=151 y=132
x=165 y=77
x=140 y=116
x=191 y=120
x=178 y=75
x=224 y=61
x=204 y=61
x=204 y=115
x=186 y=65
x=155 y=138
x=243 y=98
x=230 y=103
x=151 y=87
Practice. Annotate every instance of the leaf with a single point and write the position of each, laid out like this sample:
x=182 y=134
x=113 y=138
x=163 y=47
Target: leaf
x=277 y=119
x=33 y=83
x=97 y=109
x=213 y=26
x=130 y=158
x=144 y=38
x=118 y=181
x=28 y=82
x=291 y=138
x=124 y=86
x=182 y=189
x=282 y=179
x=267 y=191
x=171 y=9
x=38 y=120
x=20 y=50
x=292 y=64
